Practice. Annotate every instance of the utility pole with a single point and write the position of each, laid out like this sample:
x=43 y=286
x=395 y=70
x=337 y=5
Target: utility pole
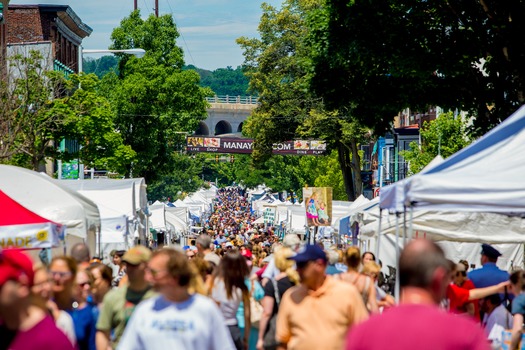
x=135 y=5
x=156 y=8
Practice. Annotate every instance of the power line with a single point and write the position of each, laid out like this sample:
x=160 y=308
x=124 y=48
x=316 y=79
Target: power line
x=181 y=35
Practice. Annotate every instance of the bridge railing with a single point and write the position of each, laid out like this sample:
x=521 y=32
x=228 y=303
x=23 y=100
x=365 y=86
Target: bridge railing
x=245 y=100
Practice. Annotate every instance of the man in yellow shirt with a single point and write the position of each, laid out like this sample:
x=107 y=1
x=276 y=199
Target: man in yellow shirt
x=318 y=313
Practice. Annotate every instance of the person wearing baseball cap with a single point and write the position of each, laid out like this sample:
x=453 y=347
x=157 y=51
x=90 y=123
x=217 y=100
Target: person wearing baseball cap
x=317 y=313
x=489 y=274
x=119 y=304
x=22 y=324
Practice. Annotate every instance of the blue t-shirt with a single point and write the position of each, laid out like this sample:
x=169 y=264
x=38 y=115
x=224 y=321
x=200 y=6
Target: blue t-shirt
x=488 y=275
x=85 y=327
x=518 y=305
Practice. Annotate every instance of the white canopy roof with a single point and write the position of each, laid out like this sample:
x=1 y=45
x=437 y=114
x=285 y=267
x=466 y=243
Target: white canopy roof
x=124 y=196
x=47 y=198
x=485 y=176
x=178 y=218
x=452 y=226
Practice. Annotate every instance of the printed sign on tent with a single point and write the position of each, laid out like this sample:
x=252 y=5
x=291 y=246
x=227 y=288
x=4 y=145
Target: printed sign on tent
x=30 y=236
x=269 y=215
x=318 y=203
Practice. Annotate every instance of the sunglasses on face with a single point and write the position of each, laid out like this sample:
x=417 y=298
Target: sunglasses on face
x=301 y=264
x=60 y=274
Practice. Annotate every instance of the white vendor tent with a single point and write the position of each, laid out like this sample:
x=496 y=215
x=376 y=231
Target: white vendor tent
x=486 y=176
x=453 y=226
x=44 y=196
x=122 y=204
x=157 y=219
x=512 y=254
x=178 y=218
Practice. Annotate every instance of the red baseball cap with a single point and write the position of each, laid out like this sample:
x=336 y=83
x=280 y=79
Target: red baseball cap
x=246 y=253
x=14 y=264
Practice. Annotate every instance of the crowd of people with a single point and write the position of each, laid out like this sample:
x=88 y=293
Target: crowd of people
x=238 y=286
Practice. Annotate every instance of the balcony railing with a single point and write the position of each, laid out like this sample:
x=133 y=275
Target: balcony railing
x=245 y=100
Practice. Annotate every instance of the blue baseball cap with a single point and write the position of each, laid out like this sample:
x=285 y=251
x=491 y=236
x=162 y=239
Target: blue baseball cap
x=310 y=252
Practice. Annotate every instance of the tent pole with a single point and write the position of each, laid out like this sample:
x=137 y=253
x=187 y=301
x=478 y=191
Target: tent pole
x=397 y=260
x=410 y=227
x=378 y=233
x=404 y=226
x=99 y=243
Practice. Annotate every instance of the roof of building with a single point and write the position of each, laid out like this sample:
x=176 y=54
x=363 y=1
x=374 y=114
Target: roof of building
x=64 y=13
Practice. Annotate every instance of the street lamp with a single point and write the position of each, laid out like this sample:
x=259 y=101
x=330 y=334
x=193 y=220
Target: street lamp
x=135 y=52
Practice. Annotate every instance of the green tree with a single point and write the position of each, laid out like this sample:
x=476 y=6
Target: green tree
x=155 y=99
x=226 y=81
x=374 y=58
x=28 y=123
x=443 y=136
x=279 y=66
x=100 y=66
x=183 y=177
x=88 y=118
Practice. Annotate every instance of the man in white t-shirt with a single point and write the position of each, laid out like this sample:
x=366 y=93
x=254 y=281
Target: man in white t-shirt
x=496 y=319
x=175 y=319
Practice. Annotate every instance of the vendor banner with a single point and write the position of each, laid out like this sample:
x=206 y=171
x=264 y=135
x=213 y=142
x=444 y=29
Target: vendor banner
x=31 y=236
x=269 y=215
x=236 y=145
x=318 y=203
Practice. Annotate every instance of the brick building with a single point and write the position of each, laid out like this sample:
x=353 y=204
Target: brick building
x=3 y=8
x=57 y=25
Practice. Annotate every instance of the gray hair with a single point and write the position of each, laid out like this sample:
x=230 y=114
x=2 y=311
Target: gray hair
x=204 y=241
x=333 y=256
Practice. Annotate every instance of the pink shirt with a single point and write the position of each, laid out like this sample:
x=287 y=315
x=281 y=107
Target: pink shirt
x=44 y=335
x=417 y=327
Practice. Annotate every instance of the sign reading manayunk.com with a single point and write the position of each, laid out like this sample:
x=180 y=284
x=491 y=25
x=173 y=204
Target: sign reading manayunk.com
x=236 y=145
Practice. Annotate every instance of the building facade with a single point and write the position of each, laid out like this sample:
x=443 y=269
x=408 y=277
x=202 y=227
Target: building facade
x=383 y=163
x=56 y=32
x=57 y=25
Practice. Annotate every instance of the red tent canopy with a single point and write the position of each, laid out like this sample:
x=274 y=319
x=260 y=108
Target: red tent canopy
x=13 y=213
x=21 y=228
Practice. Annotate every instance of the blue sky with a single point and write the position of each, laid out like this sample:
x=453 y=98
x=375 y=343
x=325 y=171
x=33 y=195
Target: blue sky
x=208 y=27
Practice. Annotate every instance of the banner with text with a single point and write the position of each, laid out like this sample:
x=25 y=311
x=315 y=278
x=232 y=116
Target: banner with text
x=235 y=145
x=31 y=236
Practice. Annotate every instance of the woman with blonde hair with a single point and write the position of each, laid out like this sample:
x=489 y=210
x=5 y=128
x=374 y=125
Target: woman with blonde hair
x=364 y=284
x=373 y=270
x=273 y=292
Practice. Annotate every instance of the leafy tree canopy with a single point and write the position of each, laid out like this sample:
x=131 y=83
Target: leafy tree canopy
x=443 y=136
x=224 y=81
x=279 y=67
x=375 y=58
x=101 y=66
x=28 y=123
x=155 y=100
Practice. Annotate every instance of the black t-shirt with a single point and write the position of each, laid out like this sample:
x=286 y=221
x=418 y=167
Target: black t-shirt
x=283 y=285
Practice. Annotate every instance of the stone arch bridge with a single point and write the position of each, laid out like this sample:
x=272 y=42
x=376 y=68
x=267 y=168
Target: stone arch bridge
x=226 y=115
